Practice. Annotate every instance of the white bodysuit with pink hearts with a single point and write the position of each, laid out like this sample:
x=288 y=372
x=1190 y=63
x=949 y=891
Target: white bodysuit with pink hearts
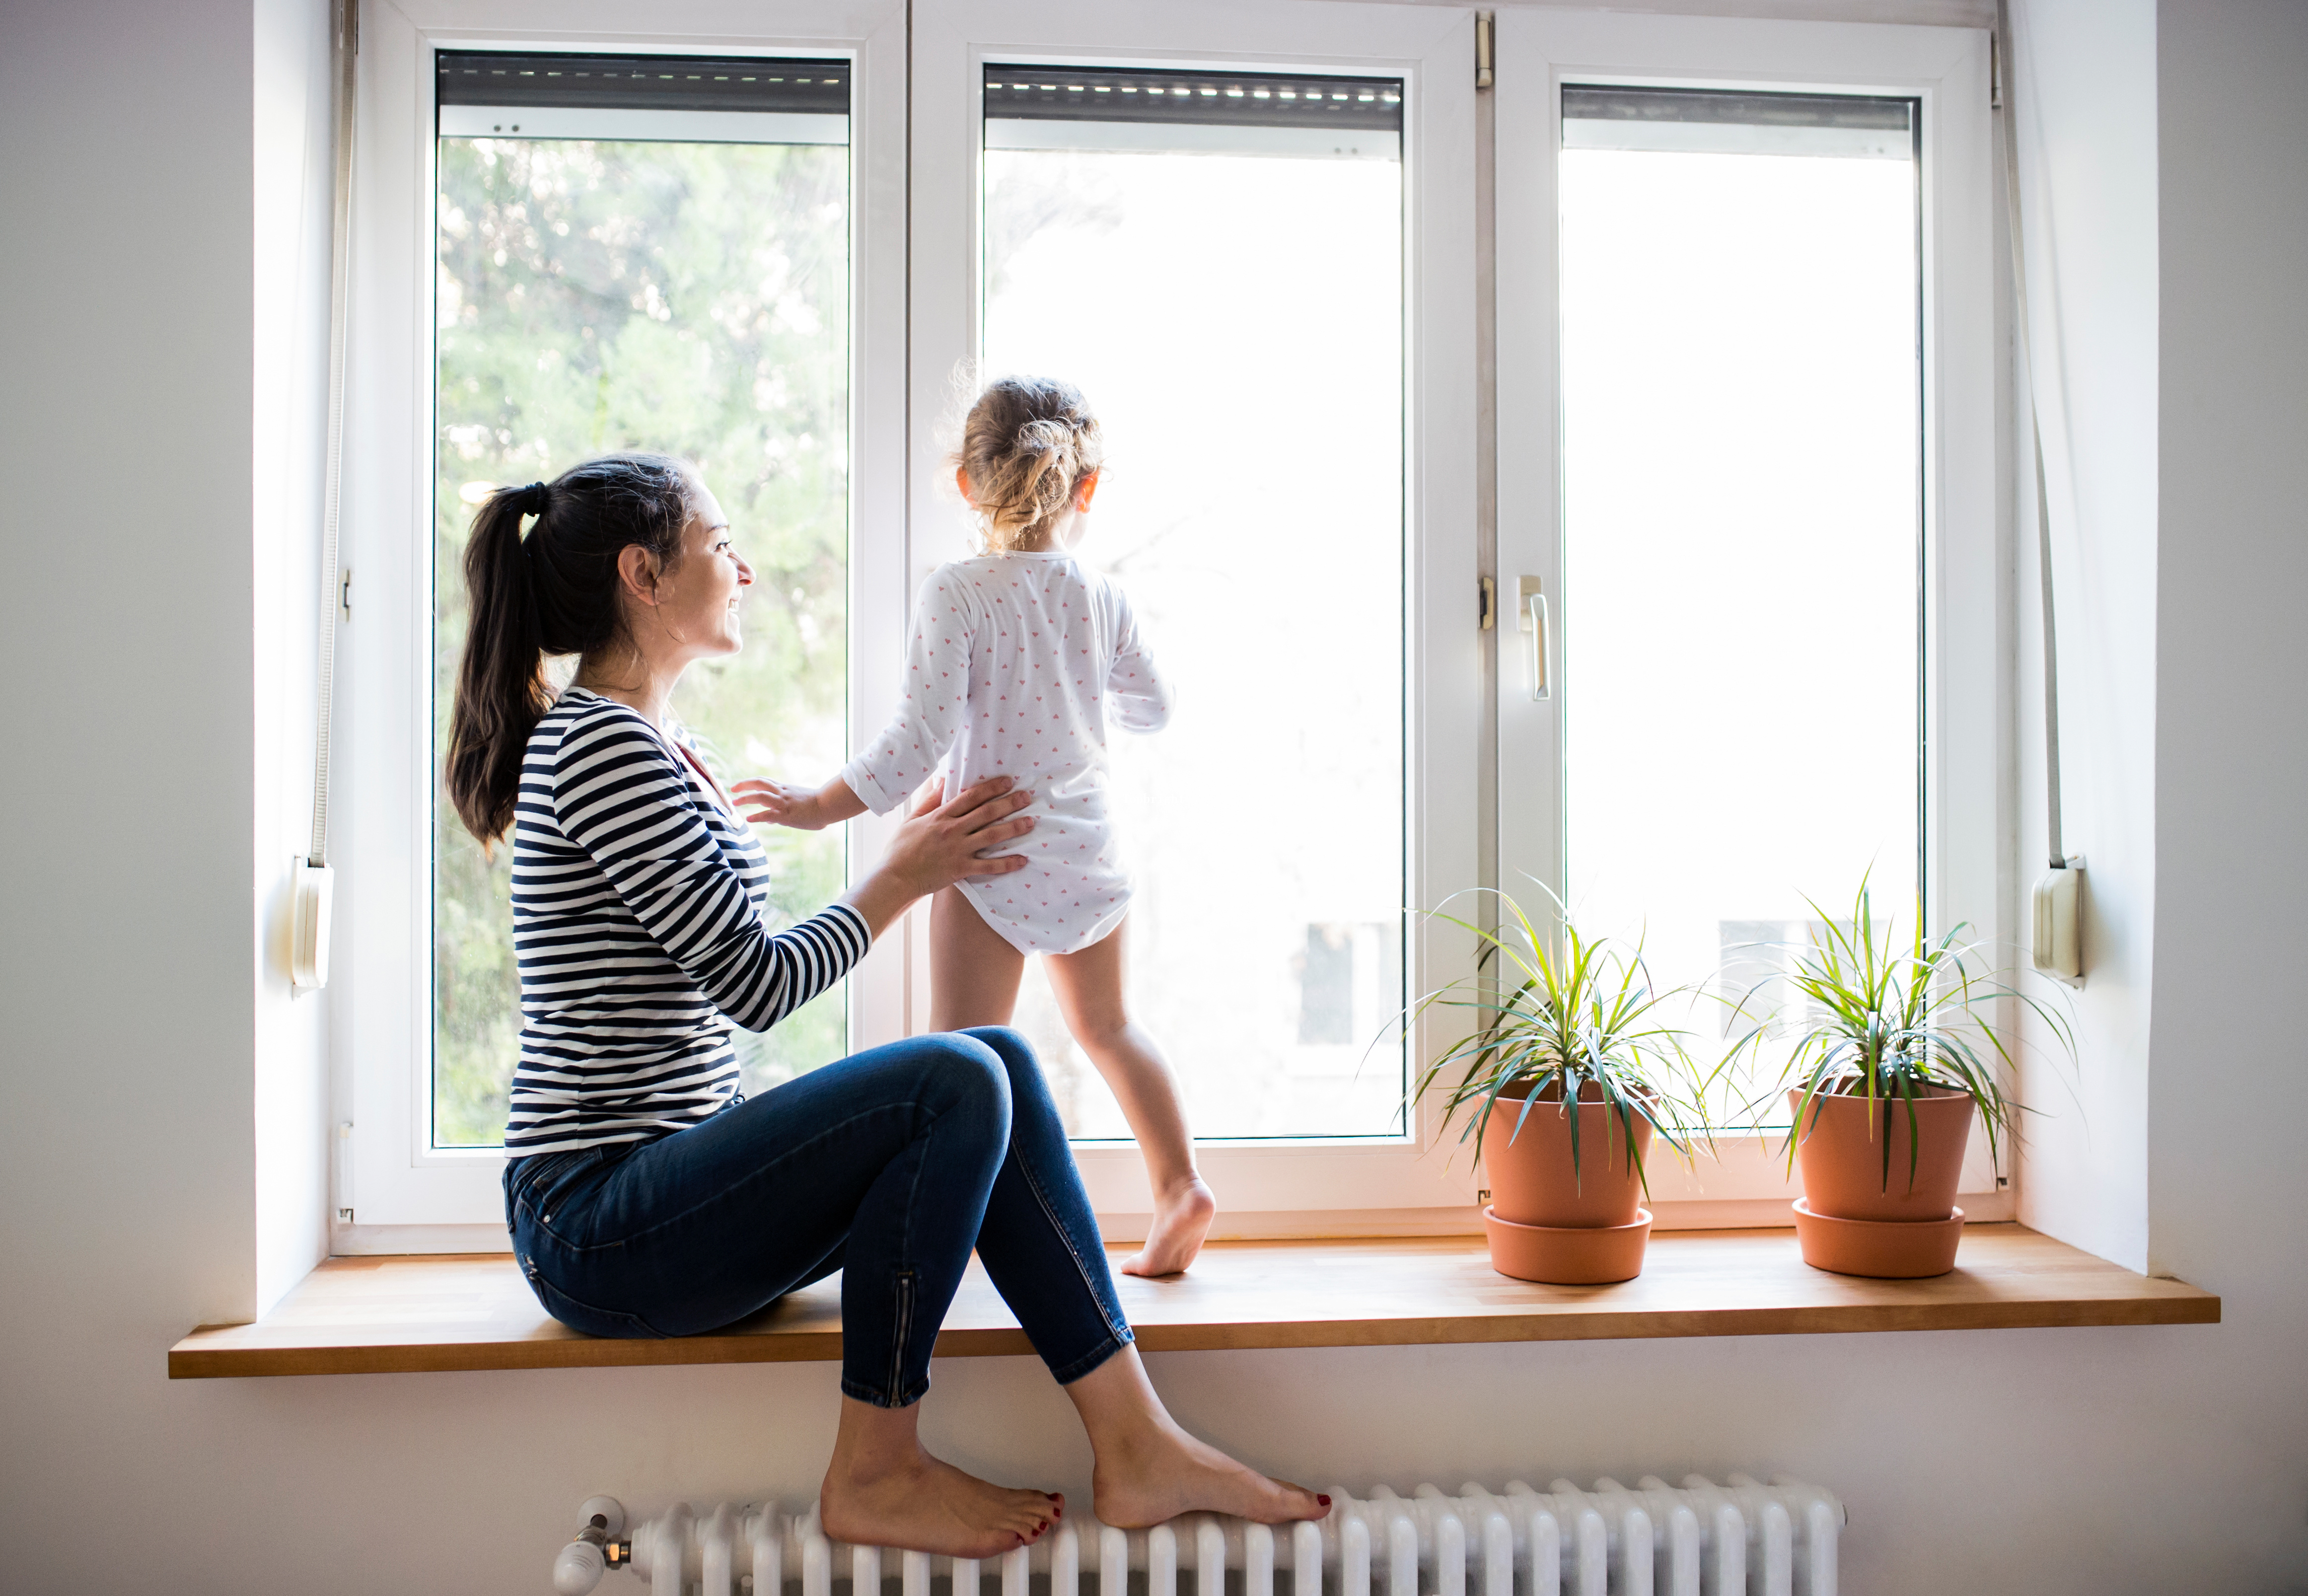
x=1017 y=664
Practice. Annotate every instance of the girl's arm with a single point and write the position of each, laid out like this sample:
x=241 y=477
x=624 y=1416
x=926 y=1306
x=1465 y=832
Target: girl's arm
x=1137 y=696
x=806 y=809
x=904 y=754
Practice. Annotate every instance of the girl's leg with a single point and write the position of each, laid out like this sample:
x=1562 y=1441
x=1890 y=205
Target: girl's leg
x=1040 y=1245
x=1090 y=986
x=880 y=1165
x=974 y=973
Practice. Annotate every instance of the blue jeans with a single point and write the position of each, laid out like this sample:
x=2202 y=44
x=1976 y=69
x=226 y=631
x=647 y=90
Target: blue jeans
x=890 y=1166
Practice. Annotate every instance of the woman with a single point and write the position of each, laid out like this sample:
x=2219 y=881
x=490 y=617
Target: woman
x=645 y=1196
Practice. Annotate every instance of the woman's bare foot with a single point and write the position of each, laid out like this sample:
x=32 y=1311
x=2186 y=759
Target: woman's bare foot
x=1181 y=1218
x=1148 y=1469
x=1162 y=1474
x=883 y=1489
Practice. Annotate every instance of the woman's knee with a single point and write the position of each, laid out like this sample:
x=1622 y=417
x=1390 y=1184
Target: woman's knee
x=1022 y=1068
x=972 y=1073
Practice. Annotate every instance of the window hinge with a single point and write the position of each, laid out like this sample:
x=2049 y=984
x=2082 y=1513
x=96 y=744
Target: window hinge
x=1488 y=603
x=345 y=593
x=1995 y=72
x=1482 y=48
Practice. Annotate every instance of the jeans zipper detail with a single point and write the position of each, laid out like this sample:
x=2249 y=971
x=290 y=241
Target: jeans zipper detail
x=902 y=1335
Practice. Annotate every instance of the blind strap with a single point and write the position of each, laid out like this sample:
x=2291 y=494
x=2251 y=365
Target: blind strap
x=2036 y=430
x=345 y=26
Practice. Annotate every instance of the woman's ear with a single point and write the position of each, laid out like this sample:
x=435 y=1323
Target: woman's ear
x=1085 y=490
x=961 y=482
x=637 y=573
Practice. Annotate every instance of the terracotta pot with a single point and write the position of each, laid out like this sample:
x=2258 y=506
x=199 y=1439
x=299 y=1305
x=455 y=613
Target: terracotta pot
x=1530 y=1177
x=1544 y=1223
x=1842 y=1155
x=1855 y=1219
x=1880 y=1250
x=1568 y=1256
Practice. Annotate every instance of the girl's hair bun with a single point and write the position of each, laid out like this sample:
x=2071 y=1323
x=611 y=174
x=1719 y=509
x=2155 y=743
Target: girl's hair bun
x=1026 y=444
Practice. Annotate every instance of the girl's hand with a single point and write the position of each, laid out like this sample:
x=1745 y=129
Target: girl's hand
x=941 y=843
x=774 y=803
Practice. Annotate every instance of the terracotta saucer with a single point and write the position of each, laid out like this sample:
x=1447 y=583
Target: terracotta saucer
x=1878 y=1249
x=1596 y=1255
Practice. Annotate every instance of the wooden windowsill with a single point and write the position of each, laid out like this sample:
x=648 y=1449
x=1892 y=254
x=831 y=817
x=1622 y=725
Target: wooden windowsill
x=473 y=1311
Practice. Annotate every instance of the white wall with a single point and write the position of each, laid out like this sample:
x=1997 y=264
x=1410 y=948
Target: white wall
x=2232 y=739
x=2085 y=93
x=151 y=767
x=294 y=147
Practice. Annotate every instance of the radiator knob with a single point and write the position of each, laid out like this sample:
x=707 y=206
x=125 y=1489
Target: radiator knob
x=579 y=1568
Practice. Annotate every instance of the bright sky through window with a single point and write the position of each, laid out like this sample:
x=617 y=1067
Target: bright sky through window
x=1741 y=669
x=1235 y=320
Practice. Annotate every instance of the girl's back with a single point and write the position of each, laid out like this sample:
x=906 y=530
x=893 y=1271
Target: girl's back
x=1018 y=663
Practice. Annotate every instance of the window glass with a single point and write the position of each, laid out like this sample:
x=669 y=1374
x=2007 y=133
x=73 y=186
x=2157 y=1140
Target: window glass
x=647 y=253
x=1215 y=260
x=1741 y=613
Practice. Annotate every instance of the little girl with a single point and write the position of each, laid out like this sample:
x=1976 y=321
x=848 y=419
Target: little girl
x=1019 y=660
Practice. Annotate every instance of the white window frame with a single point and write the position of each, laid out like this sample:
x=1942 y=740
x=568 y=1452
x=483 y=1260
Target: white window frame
x=394 y=1191
x=915 y=298
x=1966 y=673
x=1364 y=1186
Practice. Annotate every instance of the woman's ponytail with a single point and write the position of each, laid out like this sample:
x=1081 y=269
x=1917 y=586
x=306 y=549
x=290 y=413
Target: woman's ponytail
x=500 y=692
x=553 y=592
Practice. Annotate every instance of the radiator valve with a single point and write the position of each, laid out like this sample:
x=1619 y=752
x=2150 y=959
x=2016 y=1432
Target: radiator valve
x=597 y=1549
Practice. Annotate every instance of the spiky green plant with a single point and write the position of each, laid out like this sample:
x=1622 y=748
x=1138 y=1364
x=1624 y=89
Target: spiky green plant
x=1896 y=1021
x=1560 y=1017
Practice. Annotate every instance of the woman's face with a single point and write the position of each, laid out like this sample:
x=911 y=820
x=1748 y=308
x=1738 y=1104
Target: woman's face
x=697 y=600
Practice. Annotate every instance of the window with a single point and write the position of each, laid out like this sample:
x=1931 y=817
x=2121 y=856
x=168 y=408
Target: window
x=1746 y=458
x=1266 y=299
x=1742 y=658
x=1744 y=289
x=1255 y=510
x=646 y=252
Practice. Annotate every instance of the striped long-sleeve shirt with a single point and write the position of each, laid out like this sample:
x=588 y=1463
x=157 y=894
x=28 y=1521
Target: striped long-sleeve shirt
x=637 y=924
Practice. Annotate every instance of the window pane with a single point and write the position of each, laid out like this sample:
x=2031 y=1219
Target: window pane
x=1230 y=301
x=683 y=296
x=1742 y=447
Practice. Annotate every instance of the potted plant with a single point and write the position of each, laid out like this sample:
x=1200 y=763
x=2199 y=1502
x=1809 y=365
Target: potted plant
x=1568 y=1077
x=1896 y=1057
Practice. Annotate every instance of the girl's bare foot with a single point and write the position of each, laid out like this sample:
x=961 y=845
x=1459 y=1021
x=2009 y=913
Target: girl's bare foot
x=883 y=1489
x=1181 y=1218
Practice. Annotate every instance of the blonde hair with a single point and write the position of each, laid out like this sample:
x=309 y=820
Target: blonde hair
x=1026 y=445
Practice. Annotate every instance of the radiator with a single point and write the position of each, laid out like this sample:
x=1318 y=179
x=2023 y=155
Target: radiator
x=1741 y=1538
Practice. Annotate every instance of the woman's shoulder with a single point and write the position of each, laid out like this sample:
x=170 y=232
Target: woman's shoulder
x=584 y=723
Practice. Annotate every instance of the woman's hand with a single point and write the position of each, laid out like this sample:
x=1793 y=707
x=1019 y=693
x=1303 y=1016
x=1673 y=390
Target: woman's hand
x=941 y=843
x=774 y=803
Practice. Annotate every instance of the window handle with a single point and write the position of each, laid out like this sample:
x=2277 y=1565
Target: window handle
x=1532 y=604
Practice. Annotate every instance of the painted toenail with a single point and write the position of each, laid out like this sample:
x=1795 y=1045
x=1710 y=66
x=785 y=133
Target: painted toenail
x=1325 y=1501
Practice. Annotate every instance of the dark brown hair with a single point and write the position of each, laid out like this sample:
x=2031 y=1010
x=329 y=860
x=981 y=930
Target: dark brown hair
x=1025 y=445
x=552 y=592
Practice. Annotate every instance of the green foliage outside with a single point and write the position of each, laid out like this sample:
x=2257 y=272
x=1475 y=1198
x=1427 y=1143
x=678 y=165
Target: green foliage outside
x=690 y=299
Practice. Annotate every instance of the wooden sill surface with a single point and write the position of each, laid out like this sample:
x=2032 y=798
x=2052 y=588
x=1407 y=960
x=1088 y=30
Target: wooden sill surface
x=473 y=1311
